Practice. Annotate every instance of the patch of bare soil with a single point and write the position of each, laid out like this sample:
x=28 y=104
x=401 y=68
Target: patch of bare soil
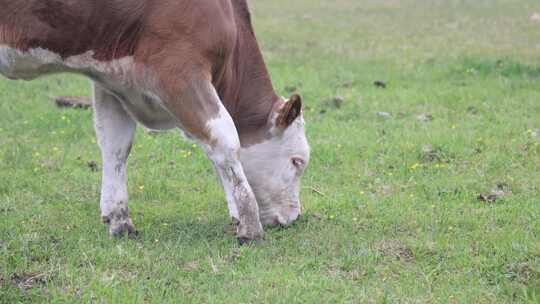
x=395 y=249
x=28 y=281
x=522 y=273
x=191 y=266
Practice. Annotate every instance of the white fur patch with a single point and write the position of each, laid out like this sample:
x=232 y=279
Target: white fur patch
x=35 y=62
x=116 y=76
x=273 y=177
x=114 y=130
x=222 y=128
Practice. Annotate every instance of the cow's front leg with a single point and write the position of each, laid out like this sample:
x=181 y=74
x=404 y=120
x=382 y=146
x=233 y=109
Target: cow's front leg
x=224 y=153
x=114 y=130
x=203 y=117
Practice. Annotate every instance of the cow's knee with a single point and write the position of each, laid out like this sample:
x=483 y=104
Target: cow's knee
x=224 y=143
x=224 y=151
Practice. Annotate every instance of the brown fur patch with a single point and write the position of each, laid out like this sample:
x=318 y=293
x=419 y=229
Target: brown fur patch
x=68 y=28
x=180 y=41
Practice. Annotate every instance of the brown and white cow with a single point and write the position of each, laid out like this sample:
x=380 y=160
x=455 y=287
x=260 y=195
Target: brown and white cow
x=194 y=65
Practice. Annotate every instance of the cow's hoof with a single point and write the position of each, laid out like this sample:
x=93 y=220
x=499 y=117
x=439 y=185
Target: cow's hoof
x=249 y=235
x=120 y=227
x=249 y=242
x=119 y=231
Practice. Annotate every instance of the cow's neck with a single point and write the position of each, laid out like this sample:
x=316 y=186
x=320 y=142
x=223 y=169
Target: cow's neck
x=246 y=88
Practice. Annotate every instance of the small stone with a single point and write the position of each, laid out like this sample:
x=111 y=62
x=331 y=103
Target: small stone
x=380 y=84
x=93 y=166
x=500 y=191
x=488 y=198
x=338 y=101
x=424 y=117
x=472 y=110
x=384 y=115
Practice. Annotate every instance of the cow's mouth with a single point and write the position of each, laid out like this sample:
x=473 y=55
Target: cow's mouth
x=280 y=219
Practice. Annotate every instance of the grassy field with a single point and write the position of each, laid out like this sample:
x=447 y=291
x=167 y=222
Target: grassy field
x=391 y=197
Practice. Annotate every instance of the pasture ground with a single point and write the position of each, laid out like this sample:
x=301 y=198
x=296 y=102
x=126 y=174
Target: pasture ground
x=391 y=199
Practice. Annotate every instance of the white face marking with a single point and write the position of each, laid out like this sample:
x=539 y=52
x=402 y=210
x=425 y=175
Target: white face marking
x=273 y=175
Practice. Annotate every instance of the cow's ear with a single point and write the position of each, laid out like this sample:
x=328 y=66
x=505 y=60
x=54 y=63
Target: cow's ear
x=289 y=112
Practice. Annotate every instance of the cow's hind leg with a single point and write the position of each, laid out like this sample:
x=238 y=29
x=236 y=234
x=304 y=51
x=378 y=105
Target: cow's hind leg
x=114 y=130
x=202 y=116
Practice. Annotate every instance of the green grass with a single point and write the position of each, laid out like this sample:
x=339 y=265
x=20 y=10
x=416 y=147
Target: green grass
x=392 y=222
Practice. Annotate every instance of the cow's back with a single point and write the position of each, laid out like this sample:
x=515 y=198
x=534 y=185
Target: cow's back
x=111 y=27
x=69 y=28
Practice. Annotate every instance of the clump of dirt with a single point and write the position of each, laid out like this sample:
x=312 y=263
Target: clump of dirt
x=395 y=249
x=522 y=273
x=28 y=281
x=501 y=190
x=425 y=118
x=338 y=101
x=472 y=110
x=72 y=102
x=431 y=154
x=93 y=166
x=380 y=84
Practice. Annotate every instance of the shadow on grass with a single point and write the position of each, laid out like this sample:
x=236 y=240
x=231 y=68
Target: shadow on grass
x=197 y=232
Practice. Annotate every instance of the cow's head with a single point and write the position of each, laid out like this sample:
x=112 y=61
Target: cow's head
x=275 y=166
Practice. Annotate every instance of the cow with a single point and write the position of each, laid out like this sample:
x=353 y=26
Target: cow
x=190 y=65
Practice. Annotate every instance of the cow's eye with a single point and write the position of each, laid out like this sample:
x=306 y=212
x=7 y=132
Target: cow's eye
x=298 y=162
